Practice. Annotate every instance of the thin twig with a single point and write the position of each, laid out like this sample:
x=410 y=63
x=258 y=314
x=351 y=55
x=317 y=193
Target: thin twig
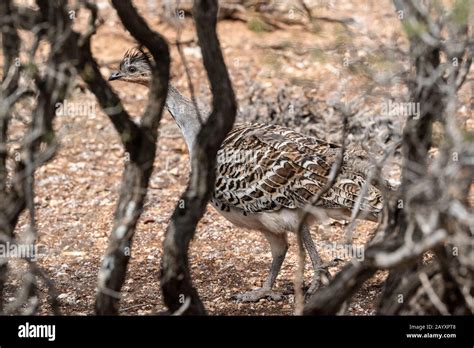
x=335 y=169
x=187 y=70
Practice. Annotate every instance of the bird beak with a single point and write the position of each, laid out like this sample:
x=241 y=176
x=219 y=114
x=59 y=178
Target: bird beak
x=116 y=76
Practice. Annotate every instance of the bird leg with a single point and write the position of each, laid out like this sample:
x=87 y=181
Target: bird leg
x=315 y=260
x=279 y=247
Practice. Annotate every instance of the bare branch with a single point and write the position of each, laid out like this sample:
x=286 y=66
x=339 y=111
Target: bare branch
x=175 y=276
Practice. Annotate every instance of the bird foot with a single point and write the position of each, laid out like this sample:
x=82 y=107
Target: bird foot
x=256 y=295
x=316 y=284
x=321 y=278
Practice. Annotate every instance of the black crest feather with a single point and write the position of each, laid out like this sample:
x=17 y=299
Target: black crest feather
x=135 y=55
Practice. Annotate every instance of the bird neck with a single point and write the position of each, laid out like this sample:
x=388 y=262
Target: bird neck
x=185 y=114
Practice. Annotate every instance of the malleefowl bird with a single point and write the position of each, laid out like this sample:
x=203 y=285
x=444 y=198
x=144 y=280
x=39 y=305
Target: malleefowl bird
x=266 y=175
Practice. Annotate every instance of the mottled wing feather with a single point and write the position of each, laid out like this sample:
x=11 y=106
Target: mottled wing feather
x=268 y=167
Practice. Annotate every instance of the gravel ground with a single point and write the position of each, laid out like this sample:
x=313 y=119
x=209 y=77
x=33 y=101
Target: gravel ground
x=77 y=191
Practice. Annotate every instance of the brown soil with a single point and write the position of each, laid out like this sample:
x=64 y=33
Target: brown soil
x=77 y=191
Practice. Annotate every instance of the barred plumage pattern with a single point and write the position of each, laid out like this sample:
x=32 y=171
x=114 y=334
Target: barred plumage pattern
x=263 y=168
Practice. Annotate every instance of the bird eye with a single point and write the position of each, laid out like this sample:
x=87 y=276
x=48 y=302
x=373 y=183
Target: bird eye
x=132 y=69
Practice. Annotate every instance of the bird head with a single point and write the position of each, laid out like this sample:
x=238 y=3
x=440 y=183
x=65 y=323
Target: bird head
x=135 y=67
